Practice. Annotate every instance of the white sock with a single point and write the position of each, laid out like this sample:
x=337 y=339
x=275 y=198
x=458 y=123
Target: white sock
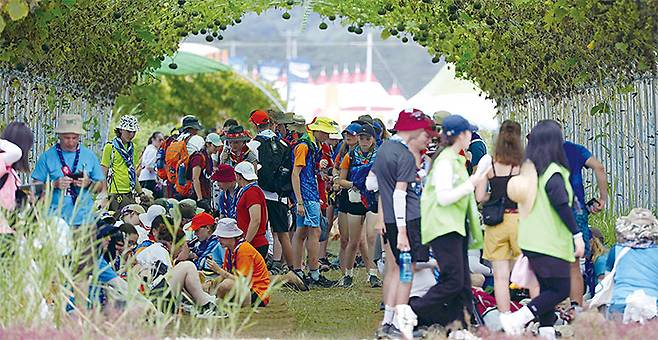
x=524 y=314
x=547 y=333
x=389 y=313
x=372 y=272
x=349 y=272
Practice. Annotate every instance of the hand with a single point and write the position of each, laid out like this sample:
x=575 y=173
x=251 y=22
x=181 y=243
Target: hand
x=403 y=241
x=213 y=265
x=336 y=187
x=323 y=163
x=83 y=182
x=477 y=179
x=380 y=227
x=579 y=245
x=63 y=183
x=300 y=210
x=598 y=206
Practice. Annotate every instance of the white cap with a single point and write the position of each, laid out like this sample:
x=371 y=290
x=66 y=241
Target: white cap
x=227 y=228
x=246 y=170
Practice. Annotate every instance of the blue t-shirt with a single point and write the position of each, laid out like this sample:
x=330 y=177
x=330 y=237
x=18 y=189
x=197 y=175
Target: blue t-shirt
x=577 y=155
x=106 y=272
x=49 y=169
x=477 y=148
x=638 y=269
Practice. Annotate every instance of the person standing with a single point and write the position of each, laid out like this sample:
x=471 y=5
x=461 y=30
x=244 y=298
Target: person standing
x=200 y=171
x=274 y=156
x=119 y=164
x=400 y=186
x=548 y=234
x=238 y=150
x=148 y=177
x=251 y=208
x=73 y=170
x=307 y=154
x=214 y=147
x=447 y=202
x=500 y=241
x=580 y=158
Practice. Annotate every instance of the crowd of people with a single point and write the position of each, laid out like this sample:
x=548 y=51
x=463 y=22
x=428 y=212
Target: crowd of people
x=421 y=205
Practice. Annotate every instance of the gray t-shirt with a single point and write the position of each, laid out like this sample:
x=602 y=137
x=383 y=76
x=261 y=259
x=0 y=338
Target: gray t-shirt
x=395 y=163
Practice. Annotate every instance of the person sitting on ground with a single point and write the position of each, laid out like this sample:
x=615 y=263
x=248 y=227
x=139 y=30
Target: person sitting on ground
x=204 y=245
x=600 y=255
x=146 y=222
x=168 y=281
x=241 y=259
x=130 y=214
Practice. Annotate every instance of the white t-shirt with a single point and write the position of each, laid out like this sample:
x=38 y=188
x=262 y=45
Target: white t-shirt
x=155 y=252
x=424 y=278
x=149 y=158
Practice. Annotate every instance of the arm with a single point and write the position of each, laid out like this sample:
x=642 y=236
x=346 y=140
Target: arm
x=296 y=183
x=254 y=222
x=601 y=182
x=342 y=180
x=196 y=182
x=557 y=195
x=476 y=266
x=427 y=265
x=442 y=180
x=481 y=194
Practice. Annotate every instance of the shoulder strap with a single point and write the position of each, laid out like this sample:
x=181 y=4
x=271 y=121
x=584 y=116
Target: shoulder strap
x=493 y=166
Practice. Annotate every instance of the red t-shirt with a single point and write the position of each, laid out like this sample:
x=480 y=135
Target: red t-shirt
x=198 y=159
x=253 y=195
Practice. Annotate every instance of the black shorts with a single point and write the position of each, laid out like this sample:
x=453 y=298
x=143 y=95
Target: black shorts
x=356 y=209
x=277 y=214
x=342 y=200
x=419 y=252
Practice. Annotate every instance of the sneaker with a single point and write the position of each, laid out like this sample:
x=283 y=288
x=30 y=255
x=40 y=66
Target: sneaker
x=382 y=331
x=346 y=282
x=325 y=265
x=407 y=320
x=374 y=281
x=323 y=282
x=210 y=311
x=358 y=263
x=392 y=332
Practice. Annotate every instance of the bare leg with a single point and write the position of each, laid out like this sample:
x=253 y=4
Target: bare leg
x=343 y=229
x=277 y=253
x=313 y=246
x=355 y=224
x=298 y=246
x=501 y=270
x=371 y=234
x=576 y=283
x=391 y=277
x=365 y=251
x=184 y=276
x=286 y=248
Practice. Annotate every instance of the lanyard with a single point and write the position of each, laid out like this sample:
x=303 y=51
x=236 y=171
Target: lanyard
x=231 y=256
x=66 y=170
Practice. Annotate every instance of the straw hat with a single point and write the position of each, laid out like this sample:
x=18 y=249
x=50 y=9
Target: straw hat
x=522 y=189
x=70 y=124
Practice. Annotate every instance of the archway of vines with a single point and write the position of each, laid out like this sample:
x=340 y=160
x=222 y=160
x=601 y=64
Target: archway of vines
x=510 y=48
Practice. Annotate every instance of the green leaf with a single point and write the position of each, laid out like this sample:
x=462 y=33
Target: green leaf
x=146 y=35
x=69 y=2
x=599 y=108
x=627 y=89
x=2 y=24
x=385 y=34
x=17 y=9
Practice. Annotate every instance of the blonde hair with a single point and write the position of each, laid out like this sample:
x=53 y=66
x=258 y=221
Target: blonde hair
x=597 y=248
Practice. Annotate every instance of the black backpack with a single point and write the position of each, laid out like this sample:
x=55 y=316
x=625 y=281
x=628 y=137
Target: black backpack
x=275 y=158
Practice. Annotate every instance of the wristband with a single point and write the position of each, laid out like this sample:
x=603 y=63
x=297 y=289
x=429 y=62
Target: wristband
x=578 y=235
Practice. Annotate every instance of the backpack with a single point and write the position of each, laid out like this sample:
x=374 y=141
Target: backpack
x=160 y=163
x=275 y=158
x=176 y=163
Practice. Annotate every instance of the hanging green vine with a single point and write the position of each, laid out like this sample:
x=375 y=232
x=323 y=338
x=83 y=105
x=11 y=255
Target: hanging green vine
x=510 y=48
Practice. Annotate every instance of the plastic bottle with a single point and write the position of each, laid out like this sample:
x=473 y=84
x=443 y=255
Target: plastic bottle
x=406 y=273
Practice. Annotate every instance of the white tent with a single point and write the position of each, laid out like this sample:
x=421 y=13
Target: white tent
x=448 y=93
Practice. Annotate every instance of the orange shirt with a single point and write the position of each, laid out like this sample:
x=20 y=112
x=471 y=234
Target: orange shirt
x=301 y=150
x=248 y=261
x=345 y=163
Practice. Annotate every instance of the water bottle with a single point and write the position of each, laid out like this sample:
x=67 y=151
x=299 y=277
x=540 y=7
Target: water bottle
x=406 y=273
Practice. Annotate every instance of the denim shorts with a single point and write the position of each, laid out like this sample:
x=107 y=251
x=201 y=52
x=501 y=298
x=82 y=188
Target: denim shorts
x=582 y=220
x=312 y=215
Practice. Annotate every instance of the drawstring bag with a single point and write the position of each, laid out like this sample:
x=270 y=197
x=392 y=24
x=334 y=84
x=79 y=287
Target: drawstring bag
x=522 y=274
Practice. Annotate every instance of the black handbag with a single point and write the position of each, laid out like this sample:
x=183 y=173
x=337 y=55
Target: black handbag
x=493 y=212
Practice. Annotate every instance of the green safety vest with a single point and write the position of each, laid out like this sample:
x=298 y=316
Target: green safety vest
x=437 y=220
x=543 y=230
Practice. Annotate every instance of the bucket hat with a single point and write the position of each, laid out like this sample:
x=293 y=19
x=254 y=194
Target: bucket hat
x=237 y=133
x=324 y=124
x=70 y=124
x=414 y=119
x=153 y=212
x=128 y=123
x=190 y=122
x=246 y=170
x=227 y=228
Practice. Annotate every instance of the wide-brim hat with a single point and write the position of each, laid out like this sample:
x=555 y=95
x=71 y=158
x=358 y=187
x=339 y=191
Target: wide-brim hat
x=324 y=124
x=190 y=203
x=70 y=123
x=227 y=228
x=522 y=188
x=279 y=117
x=191 y=122
x=246 y=170
x=236 y=134
x=298 y=124
x=153 y=212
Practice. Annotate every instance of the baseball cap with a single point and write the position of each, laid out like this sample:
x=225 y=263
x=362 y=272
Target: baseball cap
x=367 y=129
x=224 y=174
x=453 y=125
x=414 y=119
x=353 y=129
x=201 y=220
x=214 y=139
x=246 y=170
x=259 y=117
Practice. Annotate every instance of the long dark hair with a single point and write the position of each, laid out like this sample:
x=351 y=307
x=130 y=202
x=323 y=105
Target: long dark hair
x=509 y=149
x=546 y=145
x=21 y=135
x=154 y=135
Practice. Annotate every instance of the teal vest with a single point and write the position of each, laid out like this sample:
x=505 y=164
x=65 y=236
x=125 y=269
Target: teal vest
x=543 y=231
x=437 y=220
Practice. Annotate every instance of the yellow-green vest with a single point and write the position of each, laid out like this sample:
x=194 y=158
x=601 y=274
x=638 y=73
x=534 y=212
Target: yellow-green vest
x=543 y=231
x=437 y=220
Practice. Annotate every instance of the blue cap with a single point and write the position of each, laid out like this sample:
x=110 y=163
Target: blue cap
x=453 y=125
x=353 y=129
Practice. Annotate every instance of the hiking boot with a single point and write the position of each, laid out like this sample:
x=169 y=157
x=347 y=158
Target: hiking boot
x=323 y=282
x=374 y=281
x=346 y=282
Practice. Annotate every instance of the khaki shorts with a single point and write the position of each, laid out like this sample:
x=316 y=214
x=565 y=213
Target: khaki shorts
x=501 y=241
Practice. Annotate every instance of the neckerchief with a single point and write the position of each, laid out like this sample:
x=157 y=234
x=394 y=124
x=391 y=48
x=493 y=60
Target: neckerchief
x=128 y=157
x=227 y=202
x=204 y=248
x=314 y=150
x=237 y=158
x=67 y=171
x=230 y=256
x=239 y=196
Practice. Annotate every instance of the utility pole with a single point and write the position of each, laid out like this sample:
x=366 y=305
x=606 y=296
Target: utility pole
x=368 y=63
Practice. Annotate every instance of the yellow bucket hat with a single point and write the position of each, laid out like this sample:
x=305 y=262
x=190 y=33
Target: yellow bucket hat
x=324 y=124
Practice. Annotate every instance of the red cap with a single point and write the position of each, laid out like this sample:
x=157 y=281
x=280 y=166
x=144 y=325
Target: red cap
x=411 y=120
x=259 y=117
x=224 y=174
x=201 y=220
